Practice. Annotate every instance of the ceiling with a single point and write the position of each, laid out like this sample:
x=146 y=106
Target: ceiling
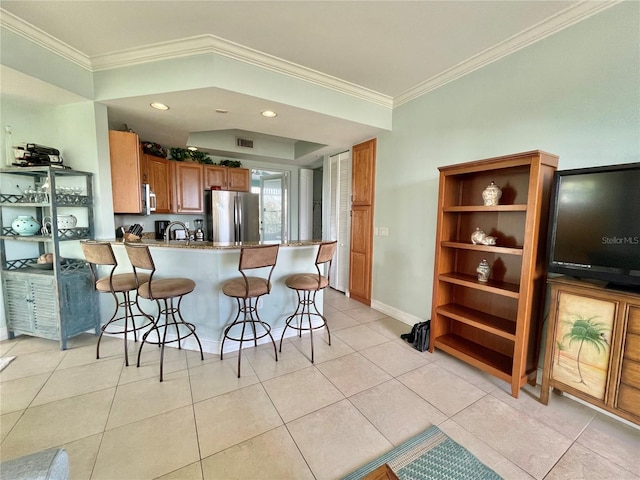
x=389 y=51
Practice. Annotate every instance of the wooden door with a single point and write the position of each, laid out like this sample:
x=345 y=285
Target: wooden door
x=189 y=183
x=159 y=179
x=363 y=189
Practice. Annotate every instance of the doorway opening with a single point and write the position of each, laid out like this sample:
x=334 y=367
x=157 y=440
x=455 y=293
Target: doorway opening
x=272 y=186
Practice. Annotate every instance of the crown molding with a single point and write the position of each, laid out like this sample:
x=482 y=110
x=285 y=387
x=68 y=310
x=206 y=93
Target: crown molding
x=210 y=44
x=554 y=24
x=203 y=44
x=43 y=39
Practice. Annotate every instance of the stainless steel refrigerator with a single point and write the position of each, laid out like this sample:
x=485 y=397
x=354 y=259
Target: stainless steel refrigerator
x=232 y=216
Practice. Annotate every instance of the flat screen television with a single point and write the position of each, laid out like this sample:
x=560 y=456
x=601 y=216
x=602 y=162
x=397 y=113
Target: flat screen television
x=595 y=224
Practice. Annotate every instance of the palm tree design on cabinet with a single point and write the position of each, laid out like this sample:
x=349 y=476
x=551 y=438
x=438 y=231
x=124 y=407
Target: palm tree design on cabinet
x=586 y=331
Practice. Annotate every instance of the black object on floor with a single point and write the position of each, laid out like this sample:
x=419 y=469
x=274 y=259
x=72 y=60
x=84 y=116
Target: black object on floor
x=419 y=336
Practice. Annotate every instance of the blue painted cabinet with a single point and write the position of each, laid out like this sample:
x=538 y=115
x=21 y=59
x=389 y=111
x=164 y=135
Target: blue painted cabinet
x=54 y=300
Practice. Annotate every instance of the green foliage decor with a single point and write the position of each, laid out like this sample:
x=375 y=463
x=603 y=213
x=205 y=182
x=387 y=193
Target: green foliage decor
x=181 y=154
x=231 y=163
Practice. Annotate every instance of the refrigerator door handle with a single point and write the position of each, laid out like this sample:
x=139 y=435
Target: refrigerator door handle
x=237 y=208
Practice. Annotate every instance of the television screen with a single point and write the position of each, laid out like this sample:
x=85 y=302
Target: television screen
x=595 y=223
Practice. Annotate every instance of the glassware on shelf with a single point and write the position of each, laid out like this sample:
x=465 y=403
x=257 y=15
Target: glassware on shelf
x=29 y=195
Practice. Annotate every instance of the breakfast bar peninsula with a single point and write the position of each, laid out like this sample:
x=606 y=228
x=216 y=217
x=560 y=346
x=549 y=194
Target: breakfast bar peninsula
x=210 y=264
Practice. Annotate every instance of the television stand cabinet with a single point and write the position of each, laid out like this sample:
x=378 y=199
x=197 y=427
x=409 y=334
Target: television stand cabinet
x=592 y=349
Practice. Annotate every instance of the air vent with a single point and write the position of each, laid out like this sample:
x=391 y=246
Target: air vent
x=244 y=142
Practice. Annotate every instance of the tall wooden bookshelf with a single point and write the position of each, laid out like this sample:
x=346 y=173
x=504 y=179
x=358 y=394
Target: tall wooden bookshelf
x=493 y=325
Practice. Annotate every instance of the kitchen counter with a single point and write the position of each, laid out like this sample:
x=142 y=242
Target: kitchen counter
x=210 y=265
x=214 y=245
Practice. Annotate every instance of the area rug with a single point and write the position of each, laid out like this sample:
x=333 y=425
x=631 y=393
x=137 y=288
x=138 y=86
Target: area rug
x=430 y=455
x=4 y=361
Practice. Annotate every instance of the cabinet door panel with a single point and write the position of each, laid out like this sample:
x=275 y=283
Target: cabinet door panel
x=215 y=176
x=18 y=305
x=160 y=179
x=239 y=179
x=189 y=188
x=45 y=307
x=579 y=364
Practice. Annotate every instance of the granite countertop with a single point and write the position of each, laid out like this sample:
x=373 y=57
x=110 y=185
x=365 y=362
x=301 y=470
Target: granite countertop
x=211 y=245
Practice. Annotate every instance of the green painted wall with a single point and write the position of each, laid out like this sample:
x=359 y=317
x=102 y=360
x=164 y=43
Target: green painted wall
x=575 y=94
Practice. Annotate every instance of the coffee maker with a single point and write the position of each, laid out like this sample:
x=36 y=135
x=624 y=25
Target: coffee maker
x=161 y=226
x=200 y=235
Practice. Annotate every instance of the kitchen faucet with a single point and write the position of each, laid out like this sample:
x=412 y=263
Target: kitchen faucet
x=167 y=231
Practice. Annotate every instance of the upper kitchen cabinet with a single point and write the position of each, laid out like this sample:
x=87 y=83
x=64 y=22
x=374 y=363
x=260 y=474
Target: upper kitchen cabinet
x=225 y=178
x=189 y=187
x=159 y=176
x=126 y=172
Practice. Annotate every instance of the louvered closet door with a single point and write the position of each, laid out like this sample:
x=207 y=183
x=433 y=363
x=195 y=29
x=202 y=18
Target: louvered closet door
x=339 y=218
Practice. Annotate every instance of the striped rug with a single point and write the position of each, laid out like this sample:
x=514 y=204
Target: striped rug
x=4 y=361
x=430 y=455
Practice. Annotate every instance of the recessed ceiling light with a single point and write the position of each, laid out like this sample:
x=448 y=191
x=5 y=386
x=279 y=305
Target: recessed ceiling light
x=159 y=106
x=269 y=114
x=193 y=149
x=222 y=110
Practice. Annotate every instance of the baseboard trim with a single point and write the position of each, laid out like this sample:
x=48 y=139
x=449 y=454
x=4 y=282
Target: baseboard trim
x=400 y=315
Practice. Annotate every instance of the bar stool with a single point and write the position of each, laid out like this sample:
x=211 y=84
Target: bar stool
x=164 y=291
x=247 y=290
x=307 y=285
x=101 y=253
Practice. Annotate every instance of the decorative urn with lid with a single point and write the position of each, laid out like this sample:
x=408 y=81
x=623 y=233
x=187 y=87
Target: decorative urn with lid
x=483 y=270
x=491 y=195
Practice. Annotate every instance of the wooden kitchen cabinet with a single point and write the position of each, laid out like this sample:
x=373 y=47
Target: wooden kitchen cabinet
x=238 y=179
x=234 y=179
x=126 y=172
x=189 y=187
x=493 y=325
x=159 y=175
x=592 y=348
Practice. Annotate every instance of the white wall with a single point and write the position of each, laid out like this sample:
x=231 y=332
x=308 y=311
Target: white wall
x=79 y=132
x=575 y=94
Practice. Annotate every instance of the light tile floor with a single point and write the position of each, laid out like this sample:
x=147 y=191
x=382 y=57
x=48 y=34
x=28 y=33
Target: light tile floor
x=366 y=393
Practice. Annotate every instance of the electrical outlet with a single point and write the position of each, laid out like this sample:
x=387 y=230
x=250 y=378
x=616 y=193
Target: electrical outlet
x=384 y=231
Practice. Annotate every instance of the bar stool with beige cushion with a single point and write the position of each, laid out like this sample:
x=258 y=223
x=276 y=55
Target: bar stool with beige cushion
x=164 y=291
x=247 y=290
x=307 y=285
x=101 y=253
